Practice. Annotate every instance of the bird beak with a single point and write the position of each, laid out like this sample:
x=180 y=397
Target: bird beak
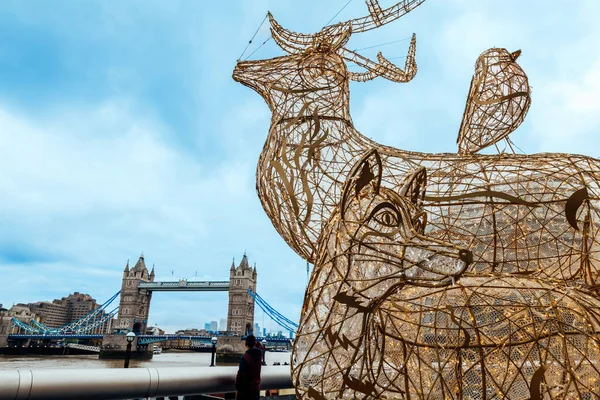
x=515 y=54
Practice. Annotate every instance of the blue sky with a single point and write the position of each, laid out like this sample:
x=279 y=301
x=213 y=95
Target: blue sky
x=121 y=130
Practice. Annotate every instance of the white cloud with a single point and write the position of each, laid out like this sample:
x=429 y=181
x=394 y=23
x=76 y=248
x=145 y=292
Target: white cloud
x=567 y=113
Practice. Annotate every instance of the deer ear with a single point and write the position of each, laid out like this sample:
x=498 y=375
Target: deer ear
x=366 y=172
x=414 y=186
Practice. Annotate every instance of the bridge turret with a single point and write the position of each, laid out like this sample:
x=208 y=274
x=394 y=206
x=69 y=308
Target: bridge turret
x=240 y=315
x=134 y=304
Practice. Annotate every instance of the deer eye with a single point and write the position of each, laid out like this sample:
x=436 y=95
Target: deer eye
x=387 y=215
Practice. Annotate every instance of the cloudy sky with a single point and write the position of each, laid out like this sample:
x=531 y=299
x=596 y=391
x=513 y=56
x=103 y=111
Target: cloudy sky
x=122 y=132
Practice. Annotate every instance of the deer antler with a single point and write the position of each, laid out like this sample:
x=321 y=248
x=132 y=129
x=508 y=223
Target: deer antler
x=293 y=42
x=289 y=41
x=378 y=17
x=384 y=67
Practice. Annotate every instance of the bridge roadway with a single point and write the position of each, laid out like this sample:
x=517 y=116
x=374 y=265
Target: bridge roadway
x=185 y=286
x=142 y=339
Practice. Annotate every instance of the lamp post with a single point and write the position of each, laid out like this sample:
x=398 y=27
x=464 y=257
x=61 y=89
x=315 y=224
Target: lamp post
x=264 y=343
x=214 y=341
x=130 y=338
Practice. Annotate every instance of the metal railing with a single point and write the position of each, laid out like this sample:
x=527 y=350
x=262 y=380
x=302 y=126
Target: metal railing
x=117 y=383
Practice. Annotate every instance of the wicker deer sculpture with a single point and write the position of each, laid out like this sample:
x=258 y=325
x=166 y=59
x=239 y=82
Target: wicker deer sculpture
x=391 y=313
x=534 y=215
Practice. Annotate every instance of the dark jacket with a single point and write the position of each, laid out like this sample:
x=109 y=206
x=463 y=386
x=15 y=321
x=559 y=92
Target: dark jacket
x=247 y=381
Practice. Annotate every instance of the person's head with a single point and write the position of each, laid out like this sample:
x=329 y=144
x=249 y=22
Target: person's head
x=250 y=341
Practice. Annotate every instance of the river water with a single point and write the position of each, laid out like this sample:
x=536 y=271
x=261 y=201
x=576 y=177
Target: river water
x=167 y=359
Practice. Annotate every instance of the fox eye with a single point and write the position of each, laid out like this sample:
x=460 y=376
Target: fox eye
x=386 y=215
x=387 y=218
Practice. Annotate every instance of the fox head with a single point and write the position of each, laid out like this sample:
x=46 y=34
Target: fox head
x=374 y=245
x=383 y=231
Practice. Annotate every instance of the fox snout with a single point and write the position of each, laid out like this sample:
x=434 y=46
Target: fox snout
x=434 y=263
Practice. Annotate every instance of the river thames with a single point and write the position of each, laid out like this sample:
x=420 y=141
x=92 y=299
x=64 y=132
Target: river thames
x=167 y=359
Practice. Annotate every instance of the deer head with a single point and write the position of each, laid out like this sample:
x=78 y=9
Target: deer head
x=316 y=63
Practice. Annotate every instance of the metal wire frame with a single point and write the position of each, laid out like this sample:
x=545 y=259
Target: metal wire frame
x=528 y=214
x=485 y=287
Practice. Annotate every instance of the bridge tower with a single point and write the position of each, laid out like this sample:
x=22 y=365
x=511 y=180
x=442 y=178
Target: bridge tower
x=240 y=314
x=134 y=304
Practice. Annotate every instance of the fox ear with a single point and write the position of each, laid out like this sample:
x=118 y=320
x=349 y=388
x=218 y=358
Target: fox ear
x=414 y=186
x=366 y=172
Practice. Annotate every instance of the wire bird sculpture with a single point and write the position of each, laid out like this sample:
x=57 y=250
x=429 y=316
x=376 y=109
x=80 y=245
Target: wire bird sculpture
x=383 y=319
x=498 y=101
x=517 y=234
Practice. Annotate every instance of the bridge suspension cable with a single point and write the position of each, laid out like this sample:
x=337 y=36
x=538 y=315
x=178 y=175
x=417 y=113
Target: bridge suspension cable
x=276 y=316
x=86 y=323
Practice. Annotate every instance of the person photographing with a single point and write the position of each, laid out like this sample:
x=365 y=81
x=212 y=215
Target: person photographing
x=247 y=381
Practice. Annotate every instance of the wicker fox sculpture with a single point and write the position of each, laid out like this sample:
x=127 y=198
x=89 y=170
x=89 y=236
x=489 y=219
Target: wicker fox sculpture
x=523 y=214
x=390 y=313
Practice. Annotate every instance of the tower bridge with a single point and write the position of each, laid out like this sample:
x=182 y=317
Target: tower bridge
x=134 y=305
x=138 y=285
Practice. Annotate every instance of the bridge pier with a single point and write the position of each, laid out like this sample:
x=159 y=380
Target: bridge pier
x=114 y=347
x=229 y=350
x=3 y=340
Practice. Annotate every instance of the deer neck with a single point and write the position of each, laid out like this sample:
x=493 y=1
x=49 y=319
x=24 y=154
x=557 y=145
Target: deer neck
x=313 y=114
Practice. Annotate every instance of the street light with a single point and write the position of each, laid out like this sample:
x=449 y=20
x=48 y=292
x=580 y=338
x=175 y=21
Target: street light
x=130 y=338
x=264 y=343
x=214 y=341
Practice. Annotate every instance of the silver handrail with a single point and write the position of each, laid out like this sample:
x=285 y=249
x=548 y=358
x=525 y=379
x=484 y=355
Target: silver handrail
x=118 y=383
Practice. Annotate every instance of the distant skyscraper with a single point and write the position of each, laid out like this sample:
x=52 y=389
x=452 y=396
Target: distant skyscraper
x=223 y=324
x=207 y=326
x=256 y=329
x=264 y=332
x=213 y=326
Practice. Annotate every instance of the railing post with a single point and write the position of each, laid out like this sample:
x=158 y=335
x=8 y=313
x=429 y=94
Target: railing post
x=127 y=356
